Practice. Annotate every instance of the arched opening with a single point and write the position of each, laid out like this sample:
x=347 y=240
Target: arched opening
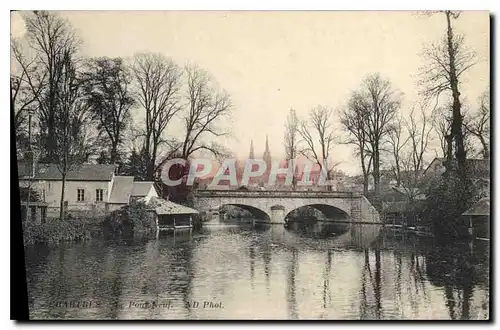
x=243 y=213
x=317 y=212
x=318 y=220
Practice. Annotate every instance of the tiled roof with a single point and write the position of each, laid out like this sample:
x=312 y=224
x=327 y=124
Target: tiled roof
x=482 y=207
x=121 y=190
x=162 y=206
x=141 y=188
x=83 y=172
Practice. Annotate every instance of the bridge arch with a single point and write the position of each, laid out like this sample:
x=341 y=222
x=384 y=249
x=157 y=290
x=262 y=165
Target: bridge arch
x=330 y=211
x=256 y=212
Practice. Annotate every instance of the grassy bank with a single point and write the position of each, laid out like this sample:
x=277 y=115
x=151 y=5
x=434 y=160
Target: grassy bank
x=129 y=220
x=54 y=231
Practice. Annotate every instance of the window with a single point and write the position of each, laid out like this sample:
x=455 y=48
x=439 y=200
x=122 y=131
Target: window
x=99 y=193
x=80 y=195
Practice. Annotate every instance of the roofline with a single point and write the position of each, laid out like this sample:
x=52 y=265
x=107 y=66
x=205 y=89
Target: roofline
x=50 y=179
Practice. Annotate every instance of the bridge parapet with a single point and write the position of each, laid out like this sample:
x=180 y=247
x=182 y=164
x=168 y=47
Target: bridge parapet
x=277 y=194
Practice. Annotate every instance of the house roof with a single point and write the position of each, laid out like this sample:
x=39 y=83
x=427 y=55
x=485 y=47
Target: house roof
x=402 y=207
x=162 y=206
x=141 y=188
x=121 y=189
x=82 y=172
x=482 y=207
x=479 y=166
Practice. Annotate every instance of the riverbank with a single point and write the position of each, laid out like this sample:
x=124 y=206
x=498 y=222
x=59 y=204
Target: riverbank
x=55 y=231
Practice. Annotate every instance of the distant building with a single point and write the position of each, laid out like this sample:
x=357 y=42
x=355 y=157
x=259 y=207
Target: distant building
x=88 y=188
x=479 y=170
x=479 y=167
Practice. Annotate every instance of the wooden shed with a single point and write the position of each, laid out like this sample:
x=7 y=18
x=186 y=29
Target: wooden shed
x=171 y=216
x=479 y=219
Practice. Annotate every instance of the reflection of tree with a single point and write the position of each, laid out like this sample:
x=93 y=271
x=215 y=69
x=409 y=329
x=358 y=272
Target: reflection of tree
x=252 y=264
x=115 y=285
x=266 y=256
x=291 y=286
x=454 y=268
x=373 y=281
x=326 y=278
x=377 y=283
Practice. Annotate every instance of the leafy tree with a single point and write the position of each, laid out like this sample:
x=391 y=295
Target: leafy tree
x=136 y=165
x=108 y=94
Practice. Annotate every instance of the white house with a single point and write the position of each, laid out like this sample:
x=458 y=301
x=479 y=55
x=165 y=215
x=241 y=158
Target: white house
x=89 y=187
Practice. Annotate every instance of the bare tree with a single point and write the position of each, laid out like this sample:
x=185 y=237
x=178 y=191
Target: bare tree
x=441 y=123
x=52 y=39
x=479 y=124
x=419 y=131
x=159 y=82
x=71 y=118
x=318 y=138
x=354 y=121
x=206 y=106
x=379 y=103
x=446 y=61
x=291 y=140
x=397 y=142
x=22 y=97
x=107 y=89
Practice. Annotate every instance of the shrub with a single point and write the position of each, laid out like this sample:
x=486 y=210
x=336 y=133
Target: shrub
x=73 y=228
x=130 y=218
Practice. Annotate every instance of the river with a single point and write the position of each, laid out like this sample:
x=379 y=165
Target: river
x=231 y=271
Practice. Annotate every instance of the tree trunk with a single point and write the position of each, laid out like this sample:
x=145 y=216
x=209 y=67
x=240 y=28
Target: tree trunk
x=376 y=169
x=61 y=210
x=456 y=126
x=486 y=149
x=114 y=153
x=365 y=184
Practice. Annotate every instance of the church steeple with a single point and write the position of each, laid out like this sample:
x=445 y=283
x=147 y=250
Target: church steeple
x=251 y=156
x=267 y=153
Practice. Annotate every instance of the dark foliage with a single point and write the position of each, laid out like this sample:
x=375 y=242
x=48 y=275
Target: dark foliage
x=130 y=218
x=34 y=195
x=447 y=198
x=136 y=165
x=55 y=231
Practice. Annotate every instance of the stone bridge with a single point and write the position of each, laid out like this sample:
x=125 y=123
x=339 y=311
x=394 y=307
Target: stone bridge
x=274 y=206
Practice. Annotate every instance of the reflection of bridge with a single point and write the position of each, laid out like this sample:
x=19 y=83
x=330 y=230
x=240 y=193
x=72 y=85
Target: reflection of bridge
x=274 y=206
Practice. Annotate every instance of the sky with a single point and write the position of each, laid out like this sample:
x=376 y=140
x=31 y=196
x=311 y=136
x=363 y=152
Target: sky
x=270 y=61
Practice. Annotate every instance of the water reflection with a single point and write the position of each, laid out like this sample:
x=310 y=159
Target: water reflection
x=324 y=270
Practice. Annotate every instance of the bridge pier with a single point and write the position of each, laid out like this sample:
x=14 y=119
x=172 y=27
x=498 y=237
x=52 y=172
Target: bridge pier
x=278 y=216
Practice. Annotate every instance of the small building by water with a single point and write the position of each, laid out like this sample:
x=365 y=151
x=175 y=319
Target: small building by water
x=171 y=216
x=479 y=219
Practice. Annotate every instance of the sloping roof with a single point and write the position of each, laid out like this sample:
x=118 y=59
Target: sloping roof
x=141 y=188
x=162 y=206
x=478 y=166
x=121 y=190
x=83 y=172
x=402 y=207
x=482 y=207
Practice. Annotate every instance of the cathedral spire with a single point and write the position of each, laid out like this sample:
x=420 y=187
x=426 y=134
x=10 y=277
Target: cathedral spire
x=267 y=153
x=251 y=150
